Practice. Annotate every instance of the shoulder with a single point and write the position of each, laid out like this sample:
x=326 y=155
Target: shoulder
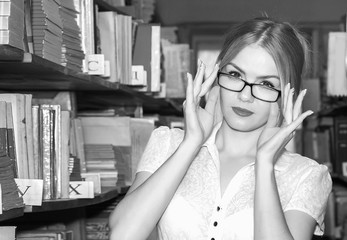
x=166 y=134
x=304 y=168
x=294 y=160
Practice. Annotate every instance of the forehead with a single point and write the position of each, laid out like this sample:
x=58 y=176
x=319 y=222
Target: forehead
x=255 y=59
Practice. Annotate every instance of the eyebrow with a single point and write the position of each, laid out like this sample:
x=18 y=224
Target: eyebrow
x=261 y=77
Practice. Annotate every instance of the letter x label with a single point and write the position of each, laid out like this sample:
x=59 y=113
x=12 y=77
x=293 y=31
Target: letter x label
x=74 y=189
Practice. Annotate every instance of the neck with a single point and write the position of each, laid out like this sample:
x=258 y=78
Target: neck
x=245 y=142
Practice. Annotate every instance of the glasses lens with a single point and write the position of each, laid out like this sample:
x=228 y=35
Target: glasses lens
x=230 y=82
x=265 y=93
x=235 y=84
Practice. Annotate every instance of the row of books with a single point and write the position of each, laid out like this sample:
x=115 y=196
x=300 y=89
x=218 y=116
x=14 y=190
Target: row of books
x=325 y=140
x=12 y=23
x=73 y=33
x=53 y=144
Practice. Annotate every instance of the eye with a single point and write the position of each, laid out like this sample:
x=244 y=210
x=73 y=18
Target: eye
x=235 y=74
x=267 y=84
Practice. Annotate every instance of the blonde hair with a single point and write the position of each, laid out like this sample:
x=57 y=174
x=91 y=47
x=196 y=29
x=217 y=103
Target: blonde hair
x=284 y=42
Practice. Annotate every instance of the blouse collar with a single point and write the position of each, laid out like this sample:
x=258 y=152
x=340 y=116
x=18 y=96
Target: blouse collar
x=281 y=164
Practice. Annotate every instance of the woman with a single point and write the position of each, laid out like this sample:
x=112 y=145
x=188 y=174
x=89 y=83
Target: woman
x=228 y=175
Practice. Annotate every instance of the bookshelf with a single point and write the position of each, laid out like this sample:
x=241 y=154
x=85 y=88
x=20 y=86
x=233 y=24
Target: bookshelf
x=24 y=72
x=56 y=205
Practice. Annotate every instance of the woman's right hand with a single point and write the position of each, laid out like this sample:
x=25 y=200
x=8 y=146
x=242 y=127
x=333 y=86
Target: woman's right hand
x=199 y=121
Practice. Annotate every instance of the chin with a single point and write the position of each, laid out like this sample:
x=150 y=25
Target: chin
x=245 y=125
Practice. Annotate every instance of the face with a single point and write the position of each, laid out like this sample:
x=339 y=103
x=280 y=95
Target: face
x=241 y=110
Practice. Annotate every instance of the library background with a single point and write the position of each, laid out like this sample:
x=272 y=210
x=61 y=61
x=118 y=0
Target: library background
x=84 y=82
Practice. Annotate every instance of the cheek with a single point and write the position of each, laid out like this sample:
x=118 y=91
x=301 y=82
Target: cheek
x=226 y=99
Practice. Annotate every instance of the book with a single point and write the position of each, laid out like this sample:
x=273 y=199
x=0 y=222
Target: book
x=141 y=130
x=9 y=190
x=146 y=52
x=18 y=113
x=36 y=142
x=111 y=137
x=79 y=142
x=340 y=143
x=176 y=63
x=8 y=232
x=65 y=152
x=29 y=136
x=108 y=41
x=337 y=79
x=47 y=148
x=86 y=24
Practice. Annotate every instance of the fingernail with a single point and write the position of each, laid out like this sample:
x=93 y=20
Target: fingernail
x=304 y=92
x=310 y=112
x=200 y=62
x=188 y=75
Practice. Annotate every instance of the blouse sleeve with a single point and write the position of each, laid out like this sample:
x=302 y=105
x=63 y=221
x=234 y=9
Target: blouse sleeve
x=311 y=195
x=162 y=143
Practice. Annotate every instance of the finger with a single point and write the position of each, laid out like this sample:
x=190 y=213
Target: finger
x=273 y=116
x=209 y=81
x=286 y=133
x=295 y=124
x=285 y=96
x=288 y=114
x=199 y=78
x=189 y=90
x=298 y=104
x=212 y=100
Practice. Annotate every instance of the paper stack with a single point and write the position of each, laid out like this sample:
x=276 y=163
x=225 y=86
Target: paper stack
x=12 y=23
x=47 y=29
x=337 y=64
x=72 y=53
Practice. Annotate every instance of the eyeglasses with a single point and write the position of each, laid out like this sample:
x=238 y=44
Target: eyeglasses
x=236 y=84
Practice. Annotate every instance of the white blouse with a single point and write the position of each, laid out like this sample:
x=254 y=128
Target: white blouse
x=198 y=211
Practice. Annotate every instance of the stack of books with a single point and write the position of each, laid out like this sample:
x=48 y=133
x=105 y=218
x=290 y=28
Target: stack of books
x=176 y=64
x=97 y=219
x=47 y=29
x=9 y=191
x=115 y=44
x=101 y=158
x=12 y=23
x=72 y=53
x=144 y=9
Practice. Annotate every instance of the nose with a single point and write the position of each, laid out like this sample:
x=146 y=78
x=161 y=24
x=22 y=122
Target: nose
x=246 y=95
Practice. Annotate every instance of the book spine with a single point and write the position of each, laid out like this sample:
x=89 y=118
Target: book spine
x=45 y=119
x=36 y=141
x=11 y=138
x=340 y=127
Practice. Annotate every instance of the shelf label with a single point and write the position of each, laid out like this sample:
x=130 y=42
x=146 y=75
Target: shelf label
x=95 y=178
x=30 y=190
x=81 y=189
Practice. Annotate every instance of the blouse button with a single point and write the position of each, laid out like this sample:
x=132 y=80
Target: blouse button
x=212 y=239
x=215 y=224
x=218 y=208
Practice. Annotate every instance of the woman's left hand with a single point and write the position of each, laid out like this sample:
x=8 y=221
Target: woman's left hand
x=273 y=139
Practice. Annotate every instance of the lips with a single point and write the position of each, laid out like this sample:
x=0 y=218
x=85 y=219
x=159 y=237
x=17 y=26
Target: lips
x=242 y=111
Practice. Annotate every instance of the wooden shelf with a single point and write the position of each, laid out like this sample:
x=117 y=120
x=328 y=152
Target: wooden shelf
x=66 y=204
x=63 y=204
x=13 y=213
x=25 y=72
